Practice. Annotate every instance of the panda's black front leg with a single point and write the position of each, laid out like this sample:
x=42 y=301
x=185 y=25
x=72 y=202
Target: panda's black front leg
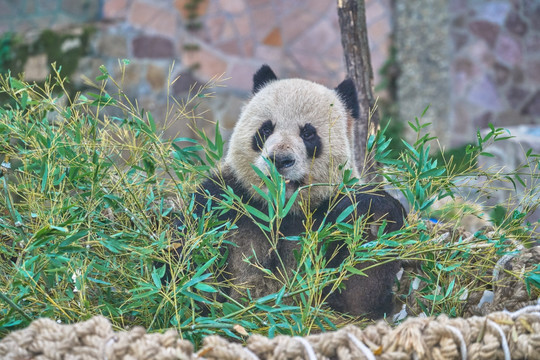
x=247 y=245
x=369 y=295
x=206 y=190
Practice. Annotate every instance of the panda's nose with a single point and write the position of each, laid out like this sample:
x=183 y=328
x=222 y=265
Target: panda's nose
x=283 y=161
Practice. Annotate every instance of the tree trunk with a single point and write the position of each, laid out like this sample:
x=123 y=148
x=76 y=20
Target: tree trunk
x=352 y=23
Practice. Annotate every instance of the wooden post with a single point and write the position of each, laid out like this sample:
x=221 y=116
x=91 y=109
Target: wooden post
x=352 y=23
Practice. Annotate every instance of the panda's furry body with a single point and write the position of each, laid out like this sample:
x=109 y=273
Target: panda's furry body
x=305 y=129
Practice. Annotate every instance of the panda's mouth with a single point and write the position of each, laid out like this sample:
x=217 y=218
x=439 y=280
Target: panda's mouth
x=292 y=184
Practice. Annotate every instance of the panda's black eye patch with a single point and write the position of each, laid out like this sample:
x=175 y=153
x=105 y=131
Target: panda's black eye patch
x=308 y=132
x=264 y=131
x=311 y=139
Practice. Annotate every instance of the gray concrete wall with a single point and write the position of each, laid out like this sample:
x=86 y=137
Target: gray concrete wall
x=422 y=30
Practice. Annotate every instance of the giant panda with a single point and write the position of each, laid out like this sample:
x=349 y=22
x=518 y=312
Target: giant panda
x=306 y=131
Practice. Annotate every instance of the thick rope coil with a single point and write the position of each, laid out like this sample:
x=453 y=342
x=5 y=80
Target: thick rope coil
x=45 y=339
x=504 y=343
x=309 y=350
x=365 y=350
x=501 y=335
x=462 y=344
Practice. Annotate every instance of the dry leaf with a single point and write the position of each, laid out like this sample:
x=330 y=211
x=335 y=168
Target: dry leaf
x=240 y=329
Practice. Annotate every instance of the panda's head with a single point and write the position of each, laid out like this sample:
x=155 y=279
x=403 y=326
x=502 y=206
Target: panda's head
x=304 y=128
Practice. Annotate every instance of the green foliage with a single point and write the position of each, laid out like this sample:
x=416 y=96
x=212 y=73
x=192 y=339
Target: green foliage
x=7 y=41
x=532 y=278
x=451 y=265
x=86 y=206
x=53 y=45
x=65 y=49
x=460 y=157
x=90 y=191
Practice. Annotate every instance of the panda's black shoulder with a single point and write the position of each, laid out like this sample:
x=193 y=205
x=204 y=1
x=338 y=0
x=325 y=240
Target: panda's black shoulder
x=381 y=204
x=213 y=190
x=367 y=199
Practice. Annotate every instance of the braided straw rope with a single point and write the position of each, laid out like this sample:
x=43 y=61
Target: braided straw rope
x=501 y=335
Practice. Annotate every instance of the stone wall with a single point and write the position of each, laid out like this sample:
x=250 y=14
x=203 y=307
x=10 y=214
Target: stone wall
x=495 y=65
x=34 y=15
x=203 y=39
x=475 y=62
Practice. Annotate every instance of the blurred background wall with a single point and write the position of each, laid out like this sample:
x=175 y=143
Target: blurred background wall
x=473 y=61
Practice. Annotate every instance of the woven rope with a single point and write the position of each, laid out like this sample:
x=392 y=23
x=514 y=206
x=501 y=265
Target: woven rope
x=45 y=339
x=500 y=335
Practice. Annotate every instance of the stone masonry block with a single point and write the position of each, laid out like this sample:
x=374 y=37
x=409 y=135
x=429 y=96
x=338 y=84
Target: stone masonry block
x=181 y=6
x=152 y=17
x=207 y=64
x=36 y=68
x=485 y=30
x=83 y=10
x=156 y=76
x=112 y=45
x=152 y=47
x=115 y=9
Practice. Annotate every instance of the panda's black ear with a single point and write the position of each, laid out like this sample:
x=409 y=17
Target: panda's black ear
x=347 y=92
x=262 y=77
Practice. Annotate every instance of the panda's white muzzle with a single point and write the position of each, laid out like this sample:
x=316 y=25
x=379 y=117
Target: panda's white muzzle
x=286 y=154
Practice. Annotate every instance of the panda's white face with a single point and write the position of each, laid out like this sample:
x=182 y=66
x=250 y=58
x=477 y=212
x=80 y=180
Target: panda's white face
x=303 y=128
